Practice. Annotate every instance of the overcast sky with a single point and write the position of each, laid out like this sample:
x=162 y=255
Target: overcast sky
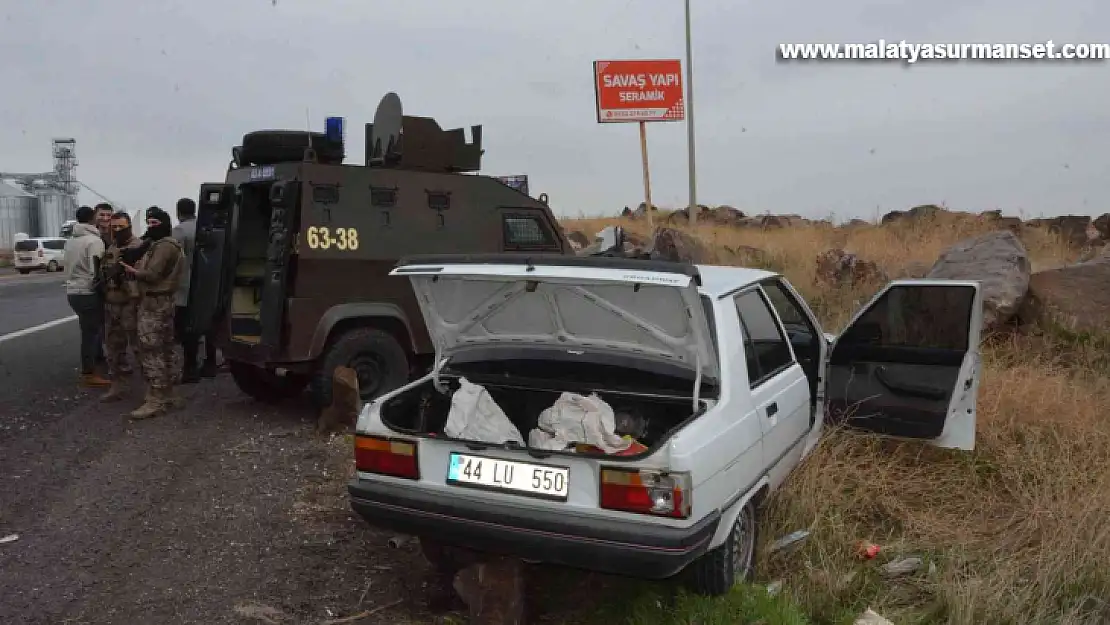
x=157 y=92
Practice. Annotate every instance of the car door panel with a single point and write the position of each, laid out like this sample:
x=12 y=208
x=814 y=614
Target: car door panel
x=908 y=364
x=208 y=285
x=778 y=385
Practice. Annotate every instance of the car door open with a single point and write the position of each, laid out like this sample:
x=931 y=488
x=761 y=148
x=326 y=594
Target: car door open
x=208 y=283
x=907 y=365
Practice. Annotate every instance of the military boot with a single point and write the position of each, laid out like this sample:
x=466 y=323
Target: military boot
x=153 y=405
x=115 y=391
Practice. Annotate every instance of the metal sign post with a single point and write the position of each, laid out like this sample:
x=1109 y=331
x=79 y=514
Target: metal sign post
x=647 y=177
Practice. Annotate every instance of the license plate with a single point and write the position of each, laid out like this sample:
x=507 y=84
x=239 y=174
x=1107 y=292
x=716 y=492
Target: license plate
x=538 y=480
x=25 y=259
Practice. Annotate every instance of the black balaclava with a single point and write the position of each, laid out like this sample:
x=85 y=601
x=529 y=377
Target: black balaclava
x=163 y=229
x=122 y=237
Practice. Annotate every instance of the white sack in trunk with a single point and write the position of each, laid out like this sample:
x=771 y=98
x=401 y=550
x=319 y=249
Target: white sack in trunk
x=574 y=418
x=475 y=416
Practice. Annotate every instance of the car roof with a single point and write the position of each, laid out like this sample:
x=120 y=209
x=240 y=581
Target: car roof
x=718 y=280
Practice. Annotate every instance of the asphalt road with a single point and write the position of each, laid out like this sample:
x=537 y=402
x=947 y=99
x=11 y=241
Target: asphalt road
x=208 y=514
x=29 y=300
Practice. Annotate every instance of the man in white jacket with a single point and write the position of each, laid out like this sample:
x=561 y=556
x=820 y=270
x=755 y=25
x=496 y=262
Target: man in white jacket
x=82 y=259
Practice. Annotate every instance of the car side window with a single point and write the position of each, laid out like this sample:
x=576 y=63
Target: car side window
x=790 y=311
x=54 y=245
x=916 y=316
x=767 y=350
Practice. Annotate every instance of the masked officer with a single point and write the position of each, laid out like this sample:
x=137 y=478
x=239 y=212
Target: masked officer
x=158 y=274
x=121 y=299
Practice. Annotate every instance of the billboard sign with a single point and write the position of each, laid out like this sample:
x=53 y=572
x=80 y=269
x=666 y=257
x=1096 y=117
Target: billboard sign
x=639 y=91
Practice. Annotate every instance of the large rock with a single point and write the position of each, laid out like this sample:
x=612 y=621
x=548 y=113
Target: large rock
x=494 y=591
x=916 y=213
x=997 y=259
x=726 y=216
x=1102 y=225
x=1075 y=230
x=839 y=268
x=678 y=246
x=346 y=402
x=578 y=239
x=1074 y=298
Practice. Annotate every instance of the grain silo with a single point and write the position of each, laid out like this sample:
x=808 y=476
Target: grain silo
x=54 y=209
x=17 y=213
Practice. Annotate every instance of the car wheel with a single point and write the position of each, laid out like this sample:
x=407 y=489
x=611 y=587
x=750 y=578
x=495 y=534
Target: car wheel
x=24 y=271
x=378 y=359
x=716 y=572
x=264 y=385
x=52 y=266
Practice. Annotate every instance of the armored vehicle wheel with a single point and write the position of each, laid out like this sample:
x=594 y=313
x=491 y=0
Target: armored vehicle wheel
x=716 y=572
x=266 y=147
x=376 y=356
x=265 y=385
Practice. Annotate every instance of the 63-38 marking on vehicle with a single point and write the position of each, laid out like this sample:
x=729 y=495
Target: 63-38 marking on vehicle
x=324 y=238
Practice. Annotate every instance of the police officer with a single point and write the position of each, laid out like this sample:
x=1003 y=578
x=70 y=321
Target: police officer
x=121 y=299
x=158 y=273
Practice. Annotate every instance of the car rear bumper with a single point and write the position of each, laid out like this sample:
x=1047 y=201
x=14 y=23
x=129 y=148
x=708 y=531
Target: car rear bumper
x=609 y=546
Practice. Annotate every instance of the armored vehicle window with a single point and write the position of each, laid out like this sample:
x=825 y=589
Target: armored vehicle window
x=325 y=194
x=525 y=232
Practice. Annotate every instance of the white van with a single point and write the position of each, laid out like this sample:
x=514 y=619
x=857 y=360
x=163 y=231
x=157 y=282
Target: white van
x=39 y=253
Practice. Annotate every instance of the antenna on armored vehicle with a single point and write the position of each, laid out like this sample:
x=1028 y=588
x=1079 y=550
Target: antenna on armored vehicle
x=384 y=135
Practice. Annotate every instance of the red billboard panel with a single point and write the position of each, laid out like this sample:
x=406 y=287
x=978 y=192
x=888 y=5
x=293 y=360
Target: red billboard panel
x=639 y=91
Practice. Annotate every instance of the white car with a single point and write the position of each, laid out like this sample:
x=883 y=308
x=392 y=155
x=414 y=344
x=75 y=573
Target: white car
x=722 y=374
x=39 y=253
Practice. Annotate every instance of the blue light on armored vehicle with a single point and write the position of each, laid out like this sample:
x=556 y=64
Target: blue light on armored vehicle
x=333 y=129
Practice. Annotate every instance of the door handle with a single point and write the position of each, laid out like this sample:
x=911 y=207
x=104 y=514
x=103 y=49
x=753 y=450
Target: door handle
x=772 y=409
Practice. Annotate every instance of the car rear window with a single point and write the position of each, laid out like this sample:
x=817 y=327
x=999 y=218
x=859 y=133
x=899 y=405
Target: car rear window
x=26 y=246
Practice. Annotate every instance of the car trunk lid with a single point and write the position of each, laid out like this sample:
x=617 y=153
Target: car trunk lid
x=650 y=311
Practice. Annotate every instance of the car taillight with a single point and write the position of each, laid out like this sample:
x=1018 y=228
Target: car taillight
x=386 y=456
x=642 y=491
x=40 y=254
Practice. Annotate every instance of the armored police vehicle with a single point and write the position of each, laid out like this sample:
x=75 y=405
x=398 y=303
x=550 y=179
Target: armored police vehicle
x=294 y=249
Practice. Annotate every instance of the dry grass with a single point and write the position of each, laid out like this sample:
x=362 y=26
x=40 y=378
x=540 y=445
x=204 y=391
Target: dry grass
x=1017 y=529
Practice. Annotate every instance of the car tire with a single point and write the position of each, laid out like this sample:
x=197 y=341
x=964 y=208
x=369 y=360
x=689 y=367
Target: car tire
x=264 y=385
x=716 y=572
x=266 y=147
x=52 y=266
x=24 y=271
x=379 y=359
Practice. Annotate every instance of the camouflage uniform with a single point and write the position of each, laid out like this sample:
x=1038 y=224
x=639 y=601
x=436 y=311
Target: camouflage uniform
x=121 y=297
x=158 y=273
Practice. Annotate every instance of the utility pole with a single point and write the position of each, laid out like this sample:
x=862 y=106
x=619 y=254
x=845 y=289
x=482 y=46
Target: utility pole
x=693 y=208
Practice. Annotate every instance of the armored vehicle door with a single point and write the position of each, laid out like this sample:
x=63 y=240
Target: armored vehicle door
x=285 y=200
x=209 y=281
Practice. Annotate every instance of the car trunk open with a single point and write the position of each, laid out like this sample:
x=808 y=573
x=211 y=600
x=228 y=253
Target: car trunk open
x=527 y=332
x=647 y=417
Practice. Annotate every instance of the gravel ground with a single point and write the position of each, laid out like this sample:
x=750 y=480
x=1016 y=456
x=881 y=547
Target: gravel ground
x=224 y=512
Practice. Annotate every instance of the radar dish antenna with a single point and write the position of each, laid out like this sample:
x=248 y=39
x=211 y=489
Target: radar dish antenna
x=385 y=135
